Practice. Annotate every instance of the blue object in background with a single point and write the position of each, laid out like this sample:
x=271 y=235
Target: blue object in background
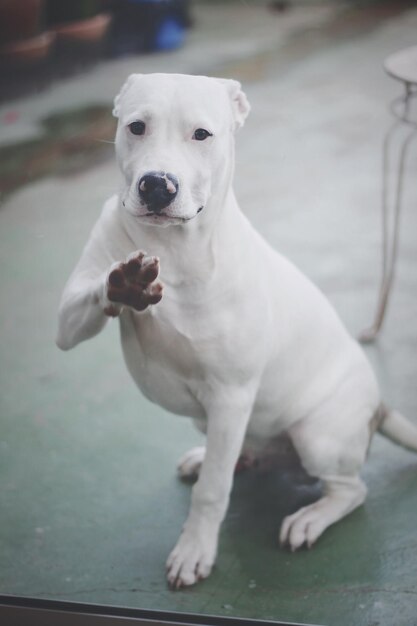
x=148 y=25
x=169 y=35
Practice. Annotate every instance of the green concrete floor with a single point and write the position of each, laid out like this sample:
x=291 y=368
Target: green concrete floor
x=90 y=505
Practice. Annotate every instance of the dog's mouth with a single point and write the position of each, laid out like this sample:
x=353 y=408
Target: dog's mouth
x=165 y=218
x=158 y=217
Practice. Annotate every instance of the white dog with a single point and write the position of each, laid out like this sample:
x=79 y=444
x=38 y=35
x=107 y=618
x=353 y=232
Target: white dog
x=241 y=341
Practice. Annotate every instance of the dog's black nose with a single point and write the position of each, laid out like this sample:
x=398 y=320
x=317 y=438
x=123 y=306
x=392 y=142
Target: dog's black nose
x=157 y=190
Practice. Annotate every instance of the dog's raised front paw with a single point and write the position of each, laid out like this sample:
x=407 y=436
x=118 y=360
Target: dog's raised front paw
x=133 y=283
x=192 y=558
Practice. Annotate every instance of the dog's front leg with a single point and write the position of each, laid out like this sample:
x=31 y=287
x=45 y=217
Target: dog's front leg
x=194 y=555
x=88 y=302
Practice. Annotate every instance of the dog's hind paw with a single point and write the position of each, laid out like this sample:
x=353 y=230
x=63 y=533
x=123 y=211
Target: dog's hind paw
x=133 y=283
x=302 y=528
x=342 y=494
x=189 y=465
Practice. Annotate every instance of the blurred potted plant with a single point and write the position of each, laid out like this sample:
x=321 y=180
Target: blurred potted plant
x=80 y=20
x=23 y=39
x=81 y=28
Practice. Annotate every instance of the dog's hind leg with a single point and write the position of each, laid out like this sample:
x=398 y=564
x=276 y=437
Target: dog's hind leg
x=336 y=461
x=342 y=494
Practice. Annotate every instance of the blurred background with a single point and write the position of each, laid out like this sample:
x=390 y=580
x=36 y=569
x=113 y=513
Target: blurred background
x=90 y=505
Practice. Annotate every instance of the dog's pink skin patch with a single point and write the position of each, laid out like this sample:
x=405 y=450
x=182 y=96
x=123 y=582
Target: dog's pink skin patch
x=111 y=311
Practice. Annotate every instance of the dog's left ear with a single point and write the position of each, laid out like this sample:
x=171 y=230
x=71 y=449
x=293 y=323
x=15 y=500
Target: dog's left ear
x=239 y=101
x=129 y=80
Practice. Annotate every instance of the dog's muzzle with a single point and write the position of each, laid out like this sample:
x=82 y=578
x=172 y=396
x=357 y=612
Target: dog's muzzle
x=157 y=190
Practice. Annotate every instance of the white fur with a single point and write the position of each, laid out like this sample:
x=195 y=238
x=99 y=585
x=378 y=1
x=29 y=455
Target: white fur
x=241 y=340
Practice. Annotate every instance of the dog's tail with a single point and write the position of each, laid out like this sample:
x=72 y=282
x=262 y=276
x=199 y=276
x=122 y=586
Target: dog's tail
x=397 y=428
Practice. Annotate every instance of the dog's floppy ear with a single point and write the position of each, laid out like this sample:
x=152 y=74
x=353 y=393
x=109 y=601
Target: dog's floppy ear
x=130 y=79
x=239 y=101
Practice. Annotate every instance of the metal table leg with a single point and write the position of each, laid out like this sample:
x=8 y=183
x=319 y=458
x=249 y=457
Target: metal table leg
x=391 y=209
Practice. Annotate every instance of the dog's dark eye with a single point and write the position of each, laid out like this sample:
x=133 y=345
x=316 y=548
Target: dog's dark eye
x=201 y=134
x=137 y=128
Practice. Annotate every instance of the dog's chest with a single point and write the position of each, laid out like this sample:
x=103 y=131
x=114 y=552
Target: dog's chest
x=170 y=353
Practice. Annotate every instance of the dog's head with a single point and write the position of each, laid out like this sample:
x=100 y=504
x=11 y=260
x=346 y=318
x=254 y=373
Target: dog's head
x=174 y=143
